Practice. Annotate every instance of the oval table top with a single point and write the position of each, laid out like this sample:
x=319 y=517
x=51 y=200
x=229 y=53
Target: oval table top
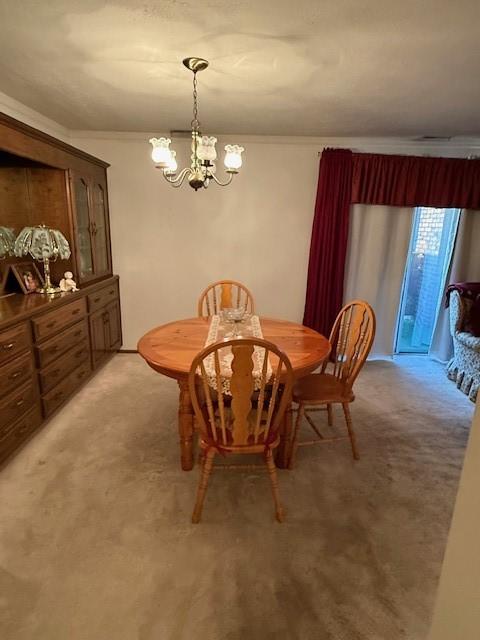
x=171 y=348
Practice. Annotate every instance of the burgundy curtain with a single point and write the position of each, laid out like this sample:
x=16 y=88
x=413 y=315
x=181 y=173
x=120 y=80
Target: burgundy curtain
x=412 y=181
x=329 y=240
x=400 y=181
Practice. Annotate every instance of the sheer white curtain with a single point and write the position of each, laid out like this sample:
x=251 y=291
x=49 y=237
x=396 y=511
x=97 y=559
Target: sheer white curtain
x=465 y=267
x=377 y=251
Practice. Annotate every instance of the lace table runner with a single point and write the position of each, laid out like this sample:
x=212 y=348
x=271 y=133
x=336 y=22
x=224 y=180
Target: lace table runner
x=219 y=331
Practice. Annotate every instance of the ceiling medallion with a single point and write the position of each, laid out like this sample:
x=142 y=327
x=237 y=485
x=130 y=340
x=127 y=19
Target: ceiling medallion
x=202 y=167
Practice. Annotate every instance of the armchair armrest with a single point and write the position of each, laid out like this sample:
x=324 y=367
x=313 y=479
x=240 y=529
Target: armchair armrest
x=457 y=312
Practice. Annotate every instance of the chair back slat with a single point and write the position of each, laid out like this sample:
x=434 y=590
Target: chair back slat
x=241 y=387
x=261 y=395
x=221 y=403
x=352 y=338
x=208 y=398
x=250 y=414
x=273 y=401
x=224 y=294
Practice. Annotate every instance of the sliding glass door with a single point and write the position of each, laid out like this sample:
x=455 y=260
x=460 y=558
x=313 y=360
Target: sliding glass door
x=430 y=252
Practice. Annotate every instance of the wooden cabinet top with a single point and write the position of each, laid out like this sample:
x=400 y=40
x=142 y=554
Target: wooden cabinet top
x=25 y=141
x=17 y=307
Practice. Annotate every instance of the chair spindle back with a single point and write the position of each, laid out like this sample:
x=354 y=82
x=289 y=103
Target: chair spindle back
x=351 y=339
x=252 y=414
x=224 y=294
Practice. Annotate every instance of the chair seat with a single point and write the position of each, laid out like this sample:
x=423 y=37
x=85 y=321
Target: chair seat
x=321 y=388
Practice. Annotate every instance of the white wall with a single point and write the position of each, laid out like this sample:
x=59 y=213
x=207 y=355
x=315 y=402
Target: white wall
x=168 y=244
x=457 y=608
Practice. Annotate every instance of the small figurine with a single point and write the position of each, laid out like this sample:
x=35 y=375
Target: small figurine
x=67 y=283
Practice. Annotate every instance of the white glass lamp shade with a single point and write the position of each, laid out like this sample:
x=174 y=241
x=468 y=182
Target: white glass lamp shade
x=233 y=157
x=7 y=242
x=161 y=153
x=206 y=148
x=171 y=169
x=41 y=242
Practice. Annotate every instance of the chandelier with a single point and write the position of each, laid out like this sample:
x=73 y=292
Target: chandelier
x=202 y=166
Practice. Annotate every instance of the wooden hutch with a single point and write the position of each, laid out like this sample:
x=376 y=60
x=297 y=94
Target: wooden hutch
x=50 y=345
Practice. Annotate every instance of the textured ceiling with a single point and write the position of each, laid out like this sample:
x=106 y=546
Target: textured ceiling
x=302 y=67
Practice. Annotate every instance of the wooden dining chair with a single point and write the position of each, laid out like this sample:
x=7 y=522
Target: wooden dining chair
x=247 y=421
x=224 y=294
x=351 y=339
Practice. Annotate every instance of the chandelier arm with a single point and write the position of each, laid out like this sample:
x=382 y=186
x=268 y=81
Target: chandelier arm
x=178 y=180
x=222 y=184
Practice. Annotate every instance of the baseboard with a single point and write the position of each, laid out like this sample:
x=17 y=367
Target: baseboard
x=127 y=351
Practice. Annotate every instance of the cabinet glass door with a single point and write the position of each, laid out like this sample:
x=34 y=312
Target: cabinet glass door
x=84 y=240
x=99 y=218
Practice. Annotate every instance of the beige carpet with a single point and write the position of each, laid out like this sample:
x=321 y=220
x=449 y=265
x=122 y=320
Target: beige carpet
x=96 y=541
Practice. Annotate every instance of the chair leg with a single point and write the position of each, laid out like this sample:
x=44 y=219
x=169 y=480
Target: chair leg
x=272 y=472
x=348 y=420
x=330 y=415
x=202 y=485
x=294 y=445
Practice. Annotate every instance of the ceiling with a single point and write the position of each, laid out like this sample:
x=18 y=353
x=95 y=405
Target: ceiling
x=277 y=67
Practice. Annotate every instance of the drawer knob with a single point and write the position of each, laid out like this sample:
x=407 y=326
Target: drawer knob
x=58 y=395
x=51 y=324
x=97 y=299
x=7 y=347
x=20 y=402
x=75 y=311
x=77 y=333
x=78 y=353
x=14 y=375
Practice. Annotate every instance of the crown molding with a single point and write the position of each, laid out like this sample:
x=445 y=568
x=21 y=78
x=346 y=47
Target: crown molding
x=457 y=146
x=21 y=112
x=460 y=145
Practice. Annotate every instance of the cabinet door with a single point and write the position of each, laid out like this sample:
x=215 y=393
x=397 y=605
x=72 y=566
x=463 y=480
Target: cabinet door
x=114 y=333
x=98 y=336
x=83 y=227
x=101 y=240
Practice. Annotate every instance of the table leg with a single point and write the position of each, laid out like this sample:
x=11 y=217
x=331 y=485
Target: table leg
x=282 y=457
x=185 y=426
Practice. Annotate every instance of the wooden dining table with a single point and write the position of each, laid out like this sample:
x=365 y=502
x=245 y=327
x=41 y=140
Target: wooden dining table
x=170 y=349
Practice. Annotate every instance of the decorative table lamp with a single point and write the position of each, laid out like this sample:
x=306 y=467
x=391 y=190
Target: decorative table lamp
x=44 y=244
x=7 y=242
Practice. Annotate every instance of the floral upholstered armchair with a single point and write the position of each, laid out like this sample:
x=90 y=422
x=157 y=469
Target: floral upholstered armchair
x=464 y=367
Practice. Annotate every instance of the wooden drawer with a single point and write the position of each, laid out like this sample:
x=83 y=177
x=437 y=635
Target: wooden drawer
x=17 y=403
x=14 y=341
x=51 y=349
x=15 y=373
x=102 y=297
x=57 y=396
x=54 y=321
x=57 y=371
x=13 y=434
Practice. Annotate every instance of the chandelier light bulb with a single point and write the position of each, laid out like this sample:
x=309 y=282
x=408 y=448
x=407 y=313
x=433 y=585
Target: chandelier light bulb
x=171 y=169
x=206 y=148
x=233 y=157
x=161 y=153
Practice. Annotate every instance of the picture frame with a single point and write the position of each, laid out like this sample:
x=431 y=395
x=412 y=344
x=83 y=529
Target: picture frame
x=28 y=276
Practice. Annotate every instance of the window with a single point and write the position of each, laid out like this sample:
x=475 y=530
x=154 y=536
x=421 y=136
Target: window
x=428 y=261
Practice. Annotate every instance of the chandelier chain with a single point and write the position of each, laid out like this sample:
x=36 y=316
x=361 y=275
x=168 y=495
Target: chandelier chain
x=195 y=122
